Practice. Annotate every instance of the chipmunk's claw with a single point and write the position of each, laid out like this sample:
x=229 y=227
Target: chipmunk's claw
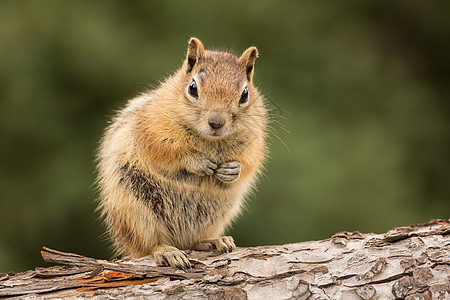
x=222 y=244
x=171 y=256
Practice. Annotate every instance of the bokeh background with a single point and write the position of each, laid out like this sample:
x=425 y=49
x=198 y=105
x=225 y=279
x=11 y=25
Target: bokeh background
x=359 y=92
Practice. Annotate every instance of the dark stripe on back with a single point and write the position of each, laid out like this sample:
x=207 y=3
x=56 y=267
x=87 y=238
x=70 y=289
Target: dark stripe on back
x=143 y=188
x=178 y=211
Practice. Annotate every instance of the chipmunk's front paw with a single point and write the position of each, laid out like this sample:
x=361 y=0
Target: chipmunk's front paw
x=171 y=256
x=203 y=167
x=222 y=244
x=228 y=172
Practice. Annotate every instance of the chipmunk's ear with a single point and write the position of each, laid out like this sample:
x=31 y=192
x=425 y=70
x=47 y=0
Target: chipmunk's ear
x=194 y=53
x=247 y=59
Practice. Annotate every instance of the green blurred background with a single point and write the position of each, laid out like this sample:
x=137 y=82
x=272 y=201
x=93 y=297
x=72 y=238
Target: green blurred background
x=362 y=88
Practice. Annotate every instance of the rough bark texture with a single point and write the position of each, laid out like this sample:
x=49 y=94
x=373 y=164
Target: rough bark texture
x=411 y=262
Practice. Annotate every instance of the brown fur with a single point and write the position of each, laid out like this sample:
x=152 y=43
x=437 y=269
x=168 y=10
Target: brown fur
x=157 y=192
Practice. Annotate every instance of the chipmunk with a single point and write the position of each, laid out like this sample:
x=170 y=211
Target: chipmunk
x=176 y=163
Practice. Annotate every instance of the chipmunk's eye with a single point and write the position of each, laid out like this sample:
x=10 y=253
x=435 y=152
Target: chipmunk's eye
x=193 y=89
x=244 y=96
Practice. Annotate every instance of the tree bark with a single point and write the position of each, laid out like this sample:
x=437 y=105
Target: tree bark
x=411 y=262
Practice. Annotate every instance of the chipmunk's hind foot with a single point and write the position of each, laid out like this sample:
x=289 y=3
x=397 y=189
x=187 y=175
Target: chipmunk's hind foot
x=221 y=244
x=171 y=256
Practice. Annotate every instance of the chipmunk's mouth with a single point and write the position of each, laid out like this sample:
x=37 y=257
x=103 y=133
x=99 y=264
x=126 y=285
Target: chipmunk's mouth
x=214 y=133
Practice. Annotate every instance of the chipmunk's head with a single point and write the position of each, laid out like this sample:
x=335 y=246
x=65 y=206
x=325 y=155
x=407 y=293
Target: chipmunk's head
x=218 y=87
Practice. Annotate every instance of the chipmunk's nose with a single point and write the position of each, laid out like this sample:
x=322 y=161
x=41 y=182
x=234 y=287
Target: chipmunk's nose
x=216 y=123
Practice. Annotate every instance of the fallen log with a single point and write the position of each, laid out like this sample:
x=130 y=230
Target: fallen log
x=411 y=262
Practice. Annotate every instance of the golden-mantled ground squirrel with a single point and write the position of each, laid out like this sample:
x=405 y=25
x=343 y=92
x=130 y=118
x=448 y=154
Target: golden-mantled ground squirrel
x=177 y=161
